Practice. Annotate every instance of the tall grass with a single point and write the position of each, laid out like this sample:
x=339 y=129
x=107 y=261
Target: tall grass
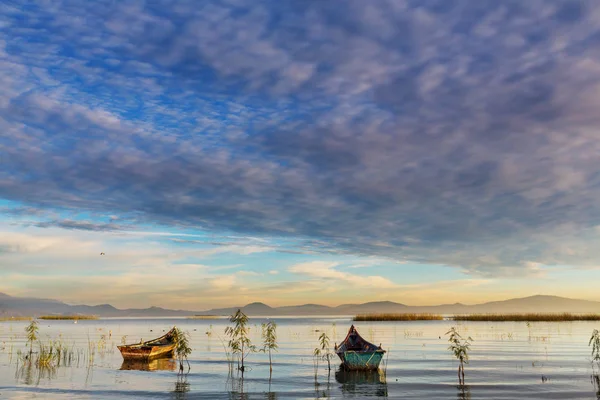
x=67 y=317
x=398 y=317
x=530 y=317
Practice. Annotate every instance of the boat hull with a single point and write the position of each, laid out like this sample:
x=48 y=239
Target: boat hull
x=146 y=352
x=361 y=360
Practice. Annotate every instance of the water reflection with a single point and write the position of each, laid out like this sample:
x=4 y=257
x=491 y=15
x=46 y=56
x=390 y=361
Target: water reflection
x=362 y=383
x=160 y=364
x=182 y=387
x=596 y=382
x=322 y=390
x=29 y=374
x=464 y=392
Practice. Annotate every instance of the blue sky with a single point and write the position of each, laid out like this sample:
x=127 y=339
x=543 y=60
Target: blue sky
x=292 y=152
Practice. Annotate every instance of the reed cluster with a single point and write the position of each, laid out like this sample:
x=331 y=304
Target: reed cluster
x=15 y=318
x=398 y=317
x=205 y=317
x=529 y=317
x=67 y=317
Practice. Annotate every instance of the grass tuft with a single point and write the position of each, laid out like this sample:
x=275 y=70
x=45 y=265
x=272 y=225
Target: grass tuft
x=530 y=317
x=398 y=317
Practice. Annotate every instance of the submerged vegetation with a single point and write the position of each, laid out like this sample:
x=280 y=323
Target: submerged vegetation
x=398 y=317
x=529 y=317
x=68 y=317
x=460 y=349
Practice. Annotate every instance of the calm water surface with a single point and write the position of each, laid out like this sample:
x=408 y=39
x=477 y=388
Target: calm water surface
x=508 y=361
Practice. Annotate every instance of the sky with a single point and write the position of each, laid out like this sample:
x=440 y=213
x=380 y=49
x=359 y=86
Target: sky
x=223 y=152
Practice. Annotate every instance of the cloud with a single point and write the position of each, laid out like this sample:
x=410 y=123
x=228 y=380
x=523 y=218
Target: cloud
x=444 y=132
x=325 y=271
x=80 y=225
x=224 y=282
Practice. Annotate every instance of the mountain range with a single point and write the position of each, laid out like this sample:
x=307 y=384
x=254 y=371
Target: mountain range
x=26 y=306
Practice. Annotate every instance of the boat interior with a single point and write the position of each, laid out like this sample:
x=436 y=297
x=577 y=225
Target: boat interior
x=355 y=342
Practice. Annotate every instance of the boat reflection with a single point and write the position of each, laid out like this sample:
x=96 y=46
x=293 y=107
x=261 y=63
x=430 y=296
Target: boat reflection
x=362 y=383
x=159 y=364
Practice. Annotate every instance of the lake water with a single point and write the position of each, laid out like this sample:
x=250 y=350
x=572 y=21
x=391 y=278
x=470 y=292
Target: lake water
x=508 y=361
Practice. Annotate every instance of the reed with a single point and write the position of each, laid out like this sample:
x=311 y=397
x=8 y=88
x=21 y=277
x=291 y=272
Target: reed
x=68 y=317
x=529 y=317
x=206 y=317
x=269 y=337
x=398 y=317
x=239 y=340
x=15 y=318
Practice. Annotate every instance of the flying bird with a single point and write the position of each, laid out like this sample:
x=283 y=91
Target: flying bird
x=102 y=254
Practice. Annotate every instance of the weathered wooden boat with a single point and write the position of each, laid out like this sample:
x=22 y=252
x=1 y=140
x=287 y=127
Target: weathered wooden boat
x=358 y=354
x=151 y=349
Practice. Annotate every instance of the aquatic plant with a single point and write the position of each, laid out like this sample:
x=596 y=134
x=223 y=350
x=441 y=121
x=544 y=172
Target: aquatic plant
x=460 y=348
x=528 y=317
x=316 y=357
x=32 y=334
x=326 y=353
x=239 y=342
x=182 y=348
x=595 y=343
x=398 y=317
x=269 y=337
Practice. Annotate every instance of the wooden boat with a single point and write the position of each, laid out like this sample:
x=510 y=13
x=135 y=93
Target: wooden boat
x=358 y=354
x=151 y=349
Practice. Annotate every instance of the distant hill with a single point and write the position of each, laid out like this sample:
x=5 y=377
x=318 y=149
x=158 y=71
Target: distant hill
x=539 y=303
x=24 y=306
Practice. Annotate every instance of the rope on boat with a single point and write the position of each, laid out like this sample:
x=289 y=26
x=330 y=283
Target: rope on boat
x=369 y=360
x=367 y=364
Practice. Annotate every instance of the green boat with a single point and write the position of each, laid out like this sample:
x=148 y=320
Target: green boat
x=358 y=354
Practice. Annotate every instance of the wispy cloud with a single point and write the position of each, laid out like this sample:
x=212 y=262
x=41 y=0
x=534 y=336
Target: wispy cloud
x=326 y=271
